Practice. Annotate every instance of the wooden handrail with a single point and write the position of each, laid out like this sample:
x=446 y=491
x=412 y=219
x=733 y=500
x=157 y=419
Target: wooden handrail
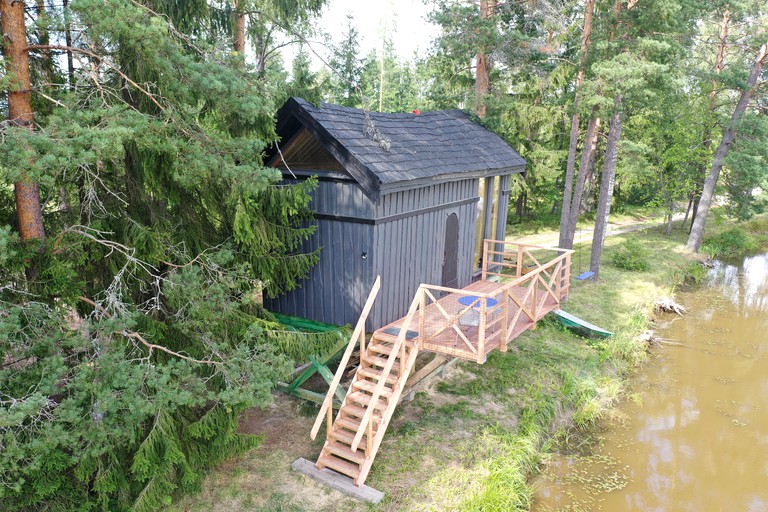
x=356 y=334
x=395 y=352
x=547 y=279
x=503 y=242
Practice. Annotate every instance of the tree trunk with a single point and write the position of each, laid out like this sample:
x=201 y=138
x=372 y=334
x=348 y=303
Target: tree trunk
x=28 y=209
x=68 y=39
x=697 y=229
x=606 y=189
x=570 y=166
x=483 y=69
x=44 y=39
x=238 y=43
x=687 y=212
x=587 y=156
x=695 y=200
x=706 y=138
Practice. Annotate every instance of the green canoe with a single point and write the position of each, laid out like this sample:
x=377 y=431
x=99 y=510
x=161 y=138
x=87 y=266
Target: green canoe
x=580 y=326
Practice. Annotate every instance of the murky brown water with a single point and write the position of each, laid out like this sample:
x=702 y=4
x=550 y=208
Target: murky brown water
x=694 y=434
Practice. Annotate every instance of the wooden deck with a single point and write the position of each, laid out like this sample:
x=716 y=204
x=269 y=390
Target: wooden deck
x=520 y=284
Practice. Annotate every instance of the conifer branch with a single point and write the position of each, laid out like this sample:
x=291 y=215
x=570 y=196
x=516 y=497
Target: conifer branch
x=138 y=337
x=100 y=59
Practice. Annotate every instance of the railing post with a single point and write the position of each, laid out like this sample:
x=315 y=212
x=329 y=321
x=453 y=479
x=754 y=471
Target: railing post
x=504 y=323
x=481 y=331
x=519 y=267
x=369 y=441
x=534 y=294
x=362 y=347
x=422 y=318
x=485 y=260
x=329 y=423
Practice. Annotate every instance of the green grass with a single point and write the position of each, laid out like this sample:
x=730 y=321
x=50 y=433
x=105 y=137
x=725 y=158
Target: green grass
x=551 y=223
x=473 y=441
x=480 y=435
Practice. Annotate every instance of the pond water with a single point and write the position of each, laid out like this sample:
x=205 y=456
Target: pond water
x=693 y=435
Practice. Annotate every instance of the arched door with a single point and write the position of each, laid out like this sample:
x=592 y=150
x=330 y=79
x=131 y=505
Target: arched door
x=451 y=252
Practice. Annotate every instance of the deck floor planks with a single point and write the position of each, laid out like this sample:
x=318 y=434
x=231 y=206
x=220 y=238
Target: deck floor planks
x=450 y=343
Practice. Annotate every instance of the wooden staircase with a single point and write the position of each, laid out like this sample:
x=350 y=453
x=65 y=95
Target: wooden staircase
x=354 y=437
x=338 y=453
x=518 y=287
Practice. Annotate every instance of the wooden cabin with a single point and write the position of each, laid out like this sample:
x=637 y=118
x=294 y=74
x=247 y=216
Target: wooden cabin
x=409 y=197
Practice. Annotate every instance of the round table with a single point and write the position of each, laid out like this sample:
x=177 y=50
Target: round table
x=469 y=300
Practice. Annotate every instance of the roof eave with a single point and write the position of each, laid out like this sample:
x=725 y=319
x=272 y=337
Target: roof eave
x=398 y=186
x=367 y=179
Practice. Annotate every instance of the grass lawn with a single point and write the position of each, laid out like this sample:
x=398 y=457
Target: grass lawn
x=472 y=441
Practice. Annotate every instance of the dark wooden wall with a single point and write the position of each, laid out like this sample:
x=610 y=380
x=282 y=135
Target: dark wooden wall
x=336 y=289
x=401 y=237
x=410 y=239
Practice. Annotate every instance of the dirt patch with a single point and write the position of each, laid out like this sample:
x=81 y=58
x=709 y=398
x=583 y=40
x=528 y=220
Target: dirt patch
x=262 y=480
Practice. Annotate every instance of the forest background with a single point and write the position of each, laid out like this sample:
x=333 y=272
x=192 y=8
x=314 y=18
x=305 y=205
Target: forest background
x=138 y=225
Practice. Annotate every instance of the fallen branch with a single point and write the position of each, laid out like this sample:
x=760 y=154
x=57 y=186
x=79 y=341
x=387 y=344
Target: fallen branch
x=151 y=346
x=668 y=305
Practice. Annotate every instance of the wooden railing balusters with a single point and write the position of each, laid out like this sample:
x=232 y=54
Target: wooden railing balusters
x=422 y=319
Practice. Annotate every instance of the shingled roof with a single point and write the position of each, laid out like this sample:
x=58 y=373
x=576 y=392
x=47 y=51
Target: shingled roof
x=430 y=146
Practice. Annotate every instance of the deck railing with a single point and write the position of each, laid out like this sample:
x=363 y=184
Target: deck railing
x=533 y=280
x=504 y=260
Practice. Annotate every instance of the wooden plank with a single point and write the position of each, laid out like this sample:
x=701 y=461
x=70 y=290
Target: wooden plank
x=350 y=348
x=337 y=481
x=428 y=369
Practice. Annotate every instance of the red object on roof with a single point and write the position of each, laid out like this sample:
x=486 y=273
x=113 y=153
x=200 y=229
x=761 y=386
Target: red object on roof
x=416 y=111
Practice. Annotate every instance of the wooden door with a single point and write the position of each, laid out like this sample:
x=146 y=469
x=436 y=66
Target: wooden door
x=451 y=252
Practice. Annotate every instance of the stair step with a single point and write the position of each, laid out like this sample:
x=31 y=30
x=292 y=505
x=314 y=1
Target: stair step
x=371 y=387
x=343 y=451
x=346 y=468
x=345 y=436
x=380 y=348
x=364 y=398
x=383 y=336
x=348 y=423
x=358 y=412
x=373 y=373
x=381 y=362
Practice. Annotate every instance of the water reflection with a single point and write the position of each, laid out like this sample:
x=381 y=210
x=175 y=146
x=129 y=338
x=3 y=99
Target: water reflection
x=698 y=439
x=746 y=286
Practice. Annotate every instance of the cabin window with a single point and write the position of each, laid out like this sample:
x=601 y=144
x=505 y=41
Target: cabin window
x=487 y=215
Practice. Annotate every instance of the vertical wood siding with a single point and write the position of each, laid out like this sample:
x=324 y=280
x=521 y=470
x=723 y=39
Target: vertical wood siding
x=409 y=250
x=406 y=250
x=336 y=288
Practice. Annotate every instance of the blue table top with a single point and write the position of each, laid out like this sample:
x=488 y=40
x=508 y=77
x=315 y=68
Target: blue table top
x=468 y=300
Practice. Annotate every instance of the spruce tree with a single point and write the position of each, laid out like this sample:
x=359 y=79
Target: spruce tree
x=127 y=356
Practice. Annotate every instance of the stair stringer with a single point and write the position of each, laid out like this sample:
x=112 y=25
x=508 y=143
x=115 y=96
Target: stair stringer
x=405 y=372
